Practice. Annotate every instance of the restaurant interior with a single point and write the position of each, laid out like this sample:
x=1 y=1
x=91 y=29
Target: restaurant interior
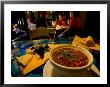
x=35 y=33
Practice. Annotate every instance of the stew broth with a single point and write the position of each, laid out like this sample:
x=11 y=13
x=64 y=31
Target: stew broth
x=69 y=57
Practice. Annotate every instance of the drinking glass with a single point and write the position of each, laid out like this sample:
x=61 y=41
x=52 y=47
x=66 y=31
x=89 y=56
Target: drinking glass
x=52 y=36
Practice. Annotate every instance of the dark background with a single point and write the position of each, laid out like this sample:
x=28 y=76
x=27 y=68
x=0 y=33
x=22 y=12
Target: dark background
x=92 y=24
x=90 y=21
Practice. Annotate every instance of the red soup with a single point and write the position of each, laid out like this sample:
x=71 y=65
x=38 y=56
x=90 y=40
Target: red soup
x=69 y=57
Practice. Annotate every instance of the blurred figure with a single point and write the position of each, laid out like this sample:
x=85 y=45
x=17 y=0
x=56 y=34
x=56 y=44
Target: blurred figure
x=31 y=25
x=78 y=24
x=53 y=24
x=72 y=20
x=64 y=24
x=74 y=25
x=17 y=30
x=41 y=19
x=13 y=33
x=60 y=19
x=61 y=25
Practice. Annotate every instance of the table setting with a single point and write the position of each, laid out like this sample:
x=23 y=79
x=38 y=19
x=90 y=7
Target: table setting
x=32 y=58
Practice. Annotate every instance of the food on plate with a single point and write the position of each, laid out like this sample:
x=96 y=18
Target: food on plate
x=78 y=39
x=46 y=57
x=24 y=59
x=35 y=63
x=87 y=43
x=52 y=46
x=69 y=57
x=81 y=45
x=97 y=47
x=90 y=42
x=90 y=38
x=34 y=57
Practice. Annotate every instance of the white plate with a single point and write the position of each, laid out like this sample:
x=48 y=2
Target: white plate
x=50 y=71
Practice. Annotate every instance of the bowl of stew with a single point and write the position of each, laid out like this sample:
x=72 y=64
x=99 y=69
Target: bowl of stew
x=70 y=60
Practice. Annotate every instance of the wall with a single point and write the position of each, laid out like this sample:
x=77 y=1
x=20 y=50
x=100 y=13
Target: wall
x=83 y=18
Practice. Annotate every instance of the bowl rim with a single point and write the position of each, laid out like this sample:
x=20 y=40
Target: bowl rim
x=71 y=68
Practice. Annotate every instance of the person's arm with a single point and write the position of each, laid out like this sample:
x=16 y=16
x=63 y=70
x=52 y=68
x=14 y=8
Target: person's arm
x=62 y=34
x=31 y=26
x=70 y=23
x=65 y=30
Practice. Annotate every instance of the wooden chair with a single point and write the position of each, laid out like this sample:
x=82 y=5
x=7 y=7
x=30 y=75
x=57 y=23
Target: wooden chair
x=40 y=32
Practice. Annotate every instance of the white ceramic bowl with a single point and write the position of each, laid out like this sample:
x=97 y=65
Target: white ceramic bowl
x=71 y=71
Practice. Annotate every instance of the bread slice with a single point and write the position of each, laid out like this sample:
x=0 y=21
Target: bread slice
x=78 y=40
x=79 y=44
x=35 y=63
x=24 y=60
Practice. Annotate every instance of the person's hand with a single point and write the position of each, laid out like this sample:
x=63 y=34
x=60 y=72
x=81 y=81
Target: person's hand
x=59 y=27
x=61 y=35
x=53 y=23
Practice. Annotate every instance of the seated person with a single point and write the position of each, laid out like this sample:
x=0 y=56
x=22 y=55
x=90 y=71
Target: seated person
x=16 y=30
x=61 y=25
x=31 y=25
x=74 y=26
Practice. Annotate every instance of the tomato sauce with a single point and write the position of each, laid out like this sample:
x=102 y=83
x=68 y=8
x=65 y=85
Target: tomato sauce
x=69 y=57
